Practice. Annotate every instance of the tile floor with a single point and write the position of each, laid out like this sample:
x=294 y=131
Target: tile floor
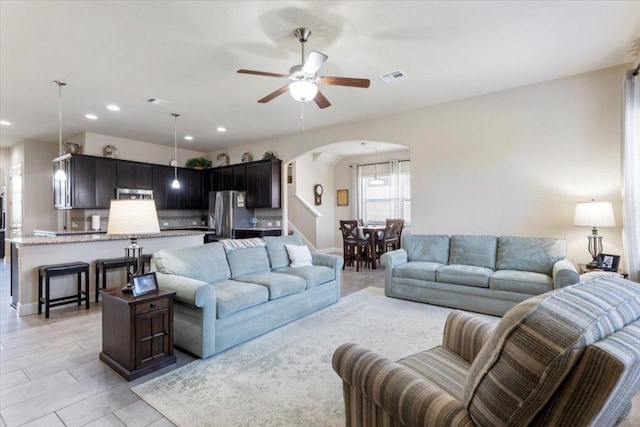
x=50 y=374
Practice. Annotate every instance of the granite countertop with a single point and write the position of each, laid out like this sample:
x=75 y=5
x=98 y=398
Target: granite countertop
x=94 y=237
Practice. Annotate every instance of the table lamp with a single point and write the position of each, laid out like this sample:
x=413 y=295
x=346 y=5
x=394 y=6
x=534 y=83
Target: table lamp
x=594 y=214
x=132 y=218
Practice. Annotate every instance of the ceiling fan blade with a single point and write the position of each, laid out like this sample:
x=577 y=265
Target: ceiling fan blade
x=263 y=73
x=273 y=94
x=345 y=81
x=321 y=100
x=314 y=62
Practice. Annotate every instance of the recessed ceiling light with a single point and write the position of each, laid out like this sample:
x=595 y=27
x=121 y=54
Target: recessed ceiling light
x=5 y=123
x=188 y=137
x=222 y=129
x=113 y=107
x=91 y=116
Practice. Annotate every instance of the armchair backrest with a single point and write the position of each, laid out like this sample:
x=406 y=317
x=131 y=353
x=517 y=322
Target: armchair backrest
x=542 y=349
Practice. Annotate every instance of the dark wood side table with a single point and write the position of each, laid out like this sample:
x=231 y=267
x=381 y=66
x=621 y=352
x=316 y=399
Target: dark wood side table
x=584 y=268
x=137 y=333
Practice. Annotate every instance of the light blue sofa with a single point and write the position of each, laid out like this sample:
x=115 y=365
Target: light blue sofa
x=225 y=297
x=485 y=274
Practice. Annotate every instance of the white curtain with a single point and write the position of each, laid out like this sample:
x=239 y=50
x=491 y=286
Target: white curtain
x=631 y=174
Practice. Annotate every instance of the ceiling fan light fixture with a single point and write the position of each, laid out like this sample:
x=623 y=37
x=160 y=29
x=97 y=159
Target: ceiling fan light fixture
x=303 y=91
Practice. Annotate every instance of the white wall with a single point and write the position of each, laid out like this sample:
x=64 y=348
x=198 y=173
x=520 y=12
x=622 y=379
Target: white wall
x=93 y=144
x=37 y=198
x=511 y=162
x=310 y=170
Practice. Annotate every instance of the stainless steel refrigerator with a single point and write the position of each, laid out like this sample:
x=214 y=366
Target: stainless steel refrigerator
x=227 y=211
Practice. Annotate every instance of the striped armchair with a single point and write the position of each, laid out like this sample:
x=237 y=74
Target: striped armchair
x=570 y=357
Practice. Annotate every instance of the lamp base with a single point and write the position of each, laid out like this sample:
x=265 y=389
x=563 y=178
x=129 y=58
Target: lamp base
x=127 y=289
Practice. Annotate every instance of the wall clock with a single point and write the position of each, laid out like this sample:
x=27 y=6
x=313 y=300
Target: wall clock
x=317 y=190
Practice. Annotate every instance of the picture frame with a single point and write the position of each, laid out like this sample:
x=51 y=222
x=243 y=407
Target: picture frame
x=144 y=284
x=608 y=262
x=343 y=198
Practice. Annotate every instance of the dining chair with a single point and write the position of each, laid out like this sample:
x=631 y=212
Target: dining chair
x=389 y=239
x=355 y=248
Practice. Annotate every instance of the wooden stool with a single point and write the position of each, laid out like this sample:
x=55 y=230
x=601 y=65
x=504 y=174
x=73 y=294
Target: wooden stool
x=108 y=264
x=49 y=271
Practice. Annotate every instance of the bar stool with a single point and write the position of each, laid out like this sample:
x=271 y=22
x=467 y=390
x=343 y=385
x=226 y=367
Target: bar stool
x=108 y=264
x=52 y=270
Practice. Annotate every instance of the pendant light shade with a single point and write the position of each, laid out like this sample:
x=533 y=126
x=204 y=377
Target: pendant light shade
x=175 y=184
x=60 y=174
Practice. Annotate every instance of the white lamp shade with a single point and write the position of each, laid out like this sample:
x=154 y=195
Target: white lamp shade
x=60 y=175
x=303 y=91
x=132 y=218
x=594 y=214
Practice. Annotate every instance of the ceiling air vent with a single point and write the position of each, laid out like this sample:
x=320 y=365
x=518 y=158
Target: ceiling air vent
x=393 y=76
x=157 y=101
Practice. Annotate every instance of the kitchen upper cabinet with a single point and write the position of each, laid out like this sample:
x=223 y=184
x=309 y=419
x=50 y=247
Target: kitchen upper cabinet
x=191 y=186
x=105 y=182
x=134 y=175
x=90 y=183
x=263 y=184
x=226 y=178
x=239 y=177
x=164 y=196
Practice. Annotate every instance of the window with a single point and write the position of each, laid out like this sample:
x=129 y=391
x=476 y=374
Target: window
x=391 y=198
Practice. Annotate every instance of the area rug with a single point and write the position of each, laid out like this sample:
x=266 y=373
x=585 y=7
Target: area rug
x=284 y=377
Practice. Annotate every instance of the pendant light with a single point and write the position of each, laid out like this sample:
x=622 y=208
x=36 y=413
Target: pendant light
x=175 y=184
x=376 y=181
x=60 y=174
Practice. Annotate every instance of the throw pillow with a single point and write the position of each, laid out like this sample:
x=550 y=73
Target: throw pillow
x=299 y=255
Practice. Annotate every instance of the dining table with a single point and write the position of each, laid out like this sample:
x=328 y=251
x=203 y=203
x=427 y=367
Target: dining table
x=370 y=232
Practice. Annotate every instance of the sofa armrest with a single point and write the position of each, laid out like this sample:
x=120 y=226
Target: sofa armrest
x=372 y=382
x=564 y=274
x=393 y=258
x=465 y=334
x=327 y=260
x=188 y=291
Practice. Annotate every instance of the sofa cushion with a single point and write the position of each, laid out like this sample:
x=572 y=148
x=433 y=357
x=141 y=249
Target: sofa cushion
x=524 y=282
x=431 y=248
x=207 y=263
x=530 y=253
x=537 y=343
x=233 y=296
x=473 y=250
x=248 y=261
x=299 y=256
x=275 y=247
x=419 y=270
x=314 y=275
x=464 y=275
x=278 y=284
x=441 y=367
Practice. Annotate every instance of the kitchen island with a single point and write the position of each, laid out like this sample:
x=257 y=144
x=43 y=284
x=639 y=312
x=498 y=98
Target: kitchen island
x=27 y=253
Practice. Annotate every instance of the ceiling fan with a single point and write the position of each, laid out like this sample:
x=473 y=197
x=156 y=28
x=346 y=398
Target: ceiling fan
x=304 y=81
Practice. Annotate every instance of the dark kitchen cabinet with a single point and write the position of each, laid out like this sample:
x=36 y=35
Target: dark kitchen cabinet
x=90 y=183
x=263 y=184
x=191 y=186
x=239 y=177
x=134 y=175
x=105 y=182
x=231 y=178
x=165 y=196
